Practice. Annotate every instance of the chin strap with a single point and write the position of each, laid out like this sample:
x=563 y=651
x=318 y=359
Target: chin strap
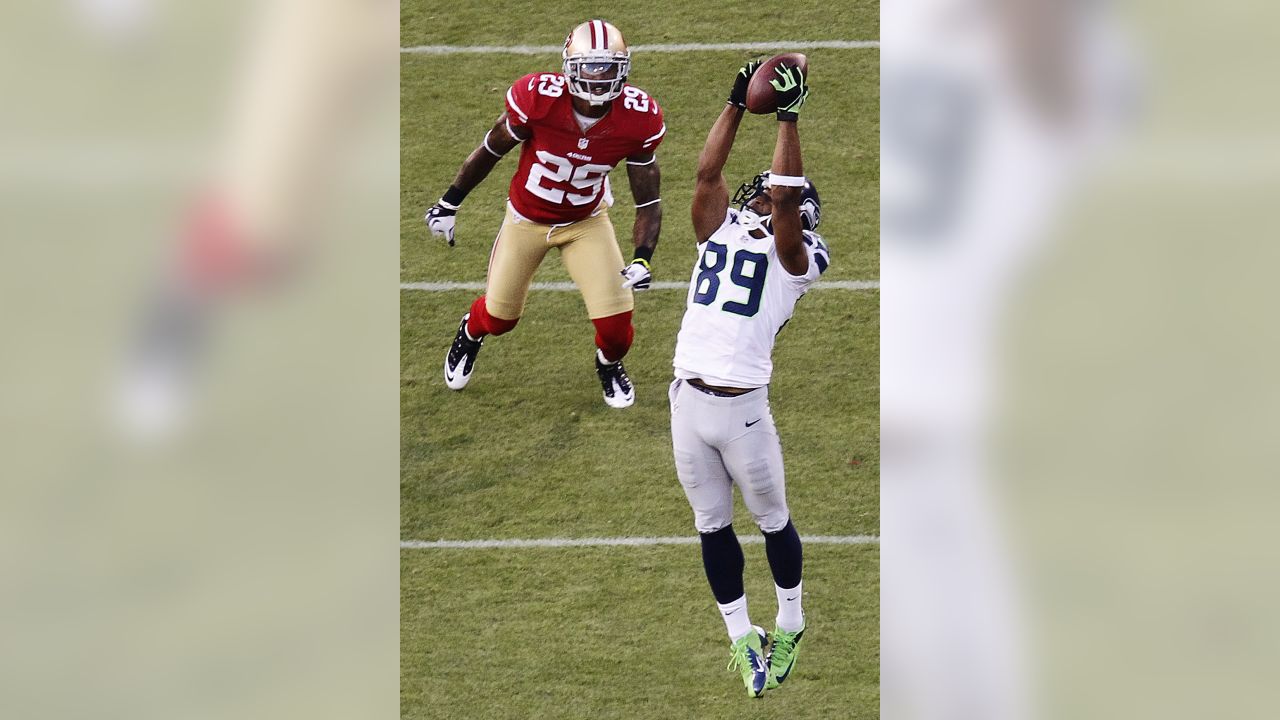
x=751 y=220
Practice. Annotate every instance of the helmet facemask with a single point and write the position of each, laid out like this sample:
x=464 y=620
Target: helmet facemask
x=597 y=78
x=748 y=218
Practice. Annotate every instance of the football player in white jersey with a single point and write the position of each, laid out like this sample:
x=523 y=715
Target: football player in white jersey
x=754 y=263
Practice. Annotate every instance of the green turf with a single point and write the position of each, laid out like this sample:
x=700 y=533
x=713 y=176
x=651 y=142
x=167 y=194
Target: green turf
x=643 y=22
x=530 y=450
x=441 y=122
x=607 y=633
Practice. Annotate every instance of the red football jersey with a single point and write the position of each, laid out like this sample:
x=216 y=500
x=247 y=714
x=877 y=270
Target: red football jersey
x=561 y=177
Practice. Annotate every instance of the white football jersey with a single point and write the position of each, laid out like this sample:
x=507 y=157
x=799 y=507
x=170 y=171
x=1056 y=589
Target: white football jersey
x=740 y=296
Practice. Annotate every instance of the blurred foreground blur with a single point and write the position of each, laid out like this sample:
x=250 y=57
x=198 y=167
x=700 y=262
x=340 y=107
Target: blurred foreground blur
x=224 y=173
x=1075 y=483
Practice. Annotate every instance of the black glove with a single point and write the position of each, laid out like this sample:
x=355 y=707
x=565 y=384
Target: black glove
x=738 y=95
x=792 y=91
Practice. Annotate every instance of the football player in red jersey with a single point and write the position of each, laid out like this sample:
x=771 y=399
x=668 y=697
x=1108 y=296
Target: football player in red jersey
x=575 y=126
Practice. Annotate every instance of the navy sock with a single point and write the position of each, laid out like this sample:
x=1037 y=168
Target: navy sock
x=786 y=556
x=722 y=559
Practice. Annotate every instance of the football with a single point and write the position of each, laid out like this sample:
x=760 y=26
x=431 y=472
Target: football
x=761 y=96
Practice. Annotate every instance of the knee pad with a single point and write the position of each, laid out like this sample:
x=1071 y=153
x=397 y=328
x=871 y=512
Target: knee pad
x=614 y=335
x=774 y=520
x=482 y=323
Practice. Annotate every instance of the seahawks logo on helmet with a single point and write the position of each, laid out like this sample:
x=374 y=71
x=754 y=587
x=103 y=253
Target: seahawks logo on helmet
x=810 y=210
x=810 y=203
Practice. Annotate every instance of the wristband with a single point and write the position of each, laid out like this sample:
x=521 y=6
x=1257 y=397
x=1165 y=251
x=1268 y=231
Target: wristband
x=453 y=197
x=787 y=180
x=644 y=254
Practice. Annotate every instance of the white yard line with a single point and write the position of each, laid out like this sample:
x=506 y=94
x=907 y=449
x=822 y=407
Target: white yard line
x=664 y=285
x=617 y=541
x=658 y=48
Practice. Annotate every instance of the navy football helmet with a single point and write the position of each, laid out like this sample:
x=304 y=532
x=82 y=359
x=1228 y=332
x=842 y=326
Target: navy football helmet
x=810 y=203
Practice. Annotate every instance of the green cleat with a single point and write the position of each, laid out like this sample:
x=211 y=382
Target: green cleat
x=782 y=655
x=747 y=654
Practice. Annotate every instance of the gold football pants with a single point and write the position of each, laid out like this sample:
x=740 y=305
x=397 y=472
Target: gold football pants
x=588 y=248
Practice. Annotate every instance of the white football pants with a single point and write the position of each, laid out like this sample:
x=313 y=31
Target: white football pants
x=723 y=441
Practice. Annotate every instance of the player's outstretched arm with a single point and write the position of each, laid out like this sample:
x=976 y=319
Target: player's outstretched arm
x=646 y=186
x=786 y=175
x=786 y=178
x=710 y=193
x=499 y=141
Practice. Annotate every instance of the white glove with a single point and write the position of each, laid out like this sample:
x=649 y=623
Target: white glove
x=440 y=221
x=636 y=275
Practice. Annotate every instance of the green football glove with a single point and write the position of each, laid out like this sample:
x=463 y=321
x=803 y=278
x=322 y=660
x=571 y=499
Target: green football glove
x=791 y=89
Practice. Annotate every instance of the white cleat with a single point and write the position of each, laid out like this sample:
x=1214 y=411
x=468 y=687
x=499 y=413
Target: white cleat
x=461 y=360
x=617 y=387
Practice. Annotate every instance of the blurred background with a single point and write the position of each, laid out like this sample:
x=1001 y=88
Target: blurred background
x=1075 y=334
x=1077 y=500
x=199 y=401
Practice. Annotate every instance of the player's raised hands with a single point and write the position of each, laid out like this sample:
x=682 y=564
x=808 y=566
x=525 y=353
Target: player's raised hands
x=738 y=95
x=791 y=90
x=440 y=221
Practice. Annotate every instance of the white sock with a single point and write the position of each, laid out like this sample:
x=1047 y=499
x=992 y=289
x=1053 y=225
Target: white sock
x=605 y=360
x=735 y=618
x=790 y=617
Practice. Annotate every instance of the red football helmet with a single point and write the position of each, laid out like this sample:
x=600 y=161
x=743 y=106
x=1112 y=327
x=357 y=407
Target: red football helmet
x=596 y=61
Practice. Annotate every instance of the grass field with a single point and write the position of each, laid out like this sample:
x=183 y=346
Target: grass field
x=529 y=450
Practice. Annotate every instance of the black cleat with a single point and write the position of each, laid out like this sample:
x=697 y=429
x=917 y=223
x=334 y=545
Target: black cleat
x=461 y=359
x=618 y=391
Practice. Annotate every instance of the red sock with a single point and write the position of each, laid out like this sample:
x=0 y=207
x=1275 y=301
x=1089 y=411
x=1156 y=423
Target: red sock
x=214 y=255
x=481 y=323
x=614 y=335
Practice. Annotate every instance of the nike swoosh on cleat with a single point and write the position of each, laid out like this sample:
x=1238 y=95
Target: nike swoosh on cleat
x=753 y=422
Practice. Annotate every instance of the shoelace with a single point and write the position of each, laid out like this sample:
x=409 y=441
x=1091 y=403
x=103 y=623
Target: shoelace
x=460 y=348
x=738 y=657
x=784 y=645
x=621 y=374
x=612 y=372
x=456 y=353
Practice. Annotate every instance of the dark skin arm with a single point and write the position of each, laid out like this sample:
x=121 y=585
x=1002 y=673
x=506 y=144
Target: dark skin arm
x=787 y=237
x=646 y=180
x=478 y=164
x=710 y=192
